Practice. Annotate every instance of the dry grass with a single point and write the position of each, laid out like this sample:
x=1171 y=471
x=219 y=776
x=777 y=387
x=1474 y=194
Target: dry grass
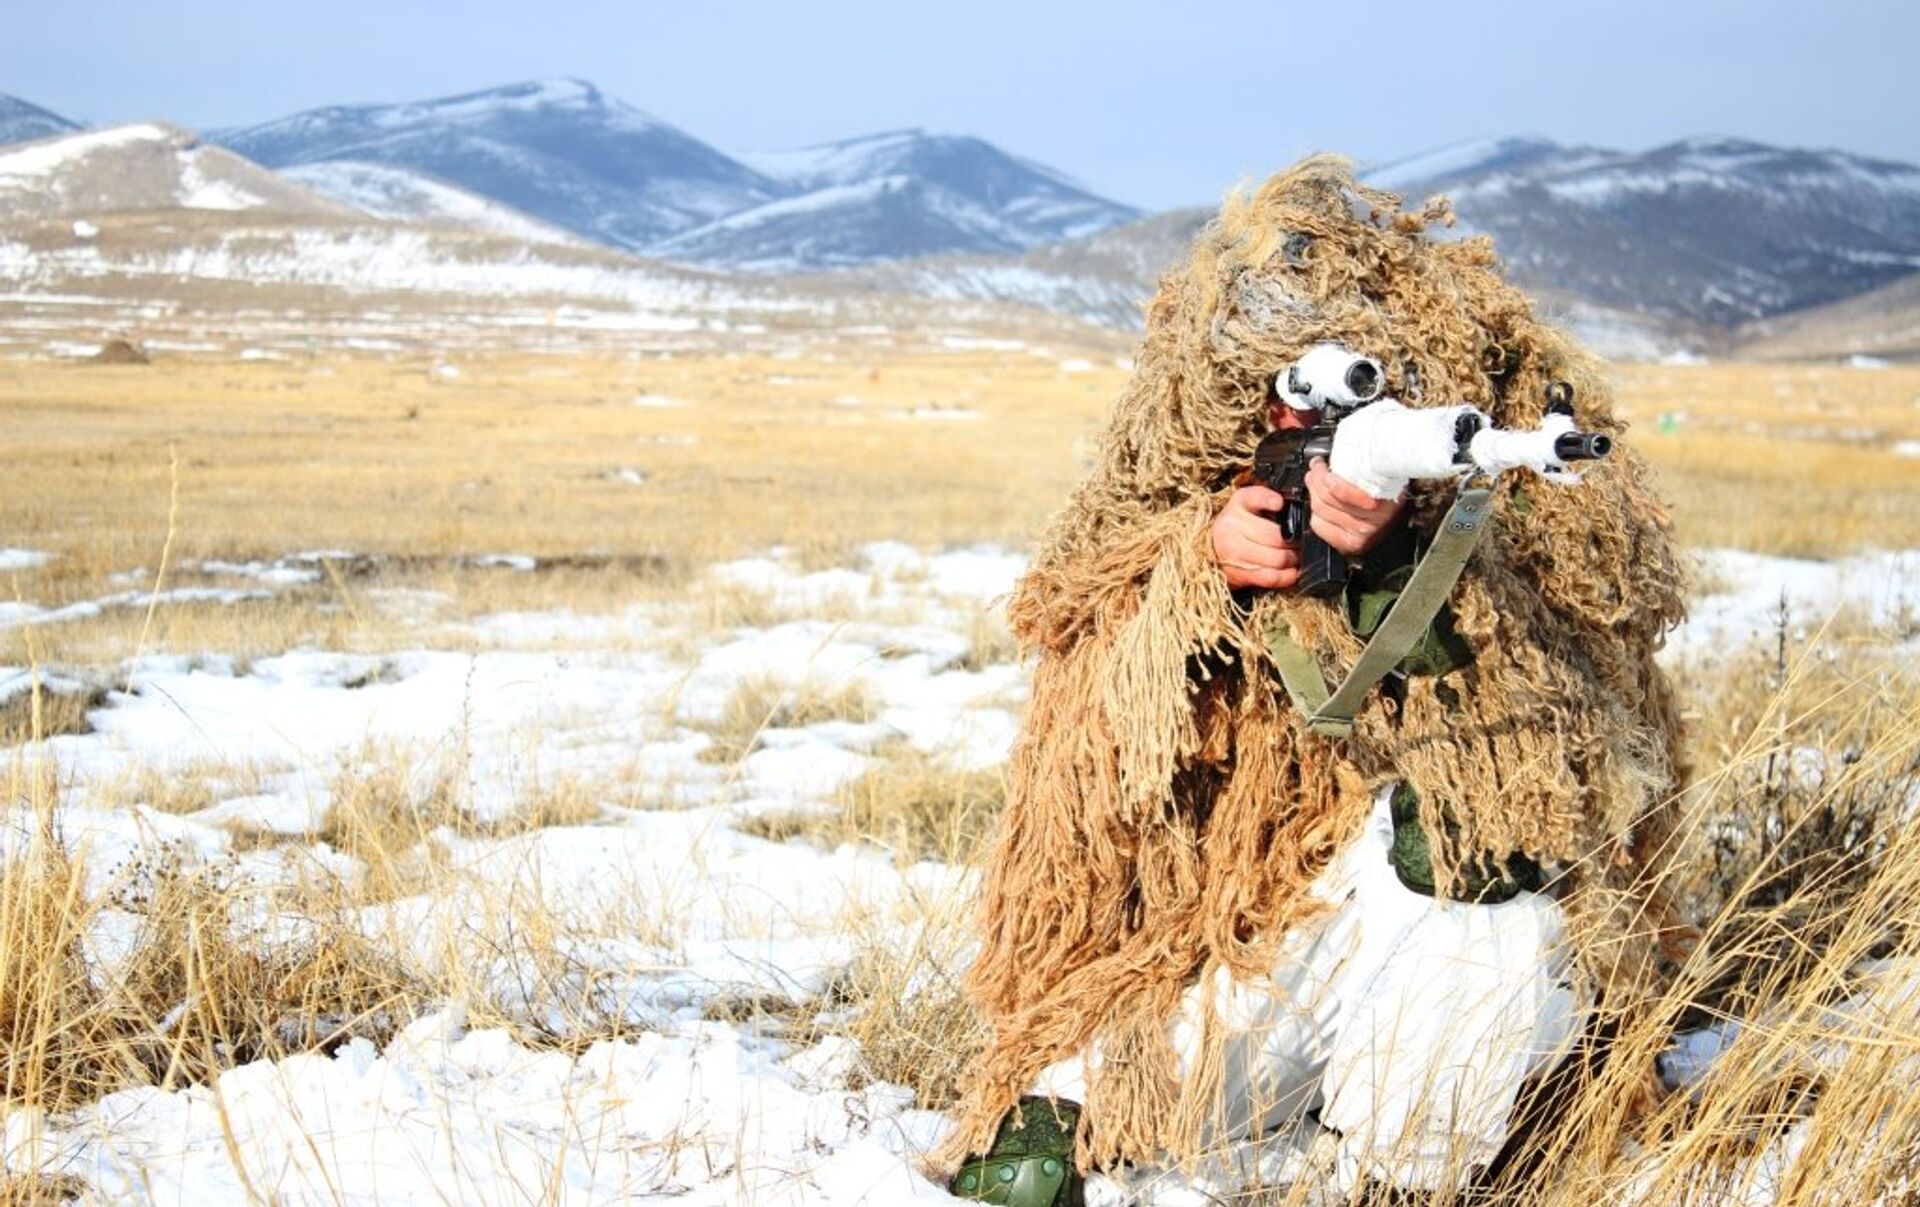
x=912 y=804
x=515 y=456
x=763 y=702
x=1791 y=459
x=198 y=992
x=47 y=712
x=900 y=1002
x=385 y=808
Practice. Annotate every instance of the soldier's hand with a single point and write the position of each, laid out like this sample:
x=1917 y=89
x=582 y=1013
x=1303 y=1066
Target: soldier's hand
x=1344 y=516
x=1247 y=543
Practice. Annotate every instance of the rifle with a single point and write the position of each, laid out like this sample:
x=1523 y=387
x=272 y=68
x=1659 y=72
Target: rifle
x=1380 y=445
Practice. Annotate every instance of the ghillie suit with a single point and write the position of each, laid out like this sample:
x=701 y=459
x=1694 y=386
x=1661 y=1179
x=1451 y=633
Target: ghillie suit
x=1167 y=810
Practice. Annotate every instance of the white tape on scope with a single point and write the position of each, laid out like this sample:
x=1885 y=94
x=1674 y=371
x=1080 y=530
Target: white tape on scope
x=1384 y=445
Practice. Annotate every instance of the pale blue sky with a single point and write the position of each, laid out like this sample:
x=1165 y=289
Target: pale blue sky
x=1155 y=104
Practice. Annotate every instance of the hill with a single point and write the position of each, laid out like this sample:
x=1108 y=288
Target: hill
x=145 y=166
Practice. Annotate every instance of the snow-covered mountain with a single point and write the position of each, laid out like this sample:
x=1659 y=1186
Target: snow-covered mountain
x=24 y=122
x=146 y=233
x=1644 y=252
x=893 y=195
x=145 y=166
x=563 y=153
x=558 y=150
x=1717 y=230
x=405 y=195
x=1104 y=278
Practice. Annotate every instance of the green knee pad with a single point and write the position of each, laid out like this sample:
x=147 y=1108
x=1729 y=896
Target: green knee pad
x=1031 y=1161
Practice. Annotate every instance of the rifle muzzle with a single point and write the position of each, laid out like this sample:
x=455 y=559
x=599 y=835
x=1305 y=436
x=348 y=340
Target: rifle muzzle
x=1582 y=446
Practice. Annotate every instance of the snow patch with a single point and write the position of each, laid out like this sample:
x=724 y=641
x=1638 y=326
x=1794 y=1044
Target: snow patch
x=45 y=158
x=22 y=559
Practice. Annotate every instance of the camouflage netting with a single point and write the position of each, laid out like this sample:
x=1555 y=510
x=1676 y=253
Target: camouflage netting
x=1167 y=809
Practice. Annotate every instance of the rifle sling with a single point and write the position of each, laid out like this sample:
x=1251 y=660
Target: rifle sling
x=1331 y=714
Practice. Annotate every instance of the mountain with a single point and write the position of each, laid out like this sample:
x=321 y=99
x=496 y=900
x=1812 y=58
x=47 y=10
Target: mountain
x=893 y=195
x=1715 y=230
x=147 y=234
x=562 y=153
x=1435 y=169
x=1884 y=322
x=558 y=150
x=403 y=195
x=145 y=166
x=23 y=122
x=1684 y=246
x=1104 y=278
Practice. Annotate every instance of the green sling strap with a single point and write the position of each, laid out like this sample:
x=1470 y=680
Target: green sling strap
x=1331 y=714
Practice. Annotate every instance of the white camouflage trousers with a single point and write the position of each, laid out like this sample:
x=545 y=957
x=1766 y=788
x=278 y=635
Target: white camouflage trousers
x=1405 y=1024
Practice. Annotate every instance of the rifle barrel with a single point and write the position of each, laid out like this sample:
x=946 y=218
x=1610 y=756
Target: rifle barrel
x=1582 y=446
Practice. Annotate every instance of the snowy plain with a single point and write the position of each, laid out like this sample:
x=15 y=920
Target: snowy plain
x=691 y=1110
x=668 y=906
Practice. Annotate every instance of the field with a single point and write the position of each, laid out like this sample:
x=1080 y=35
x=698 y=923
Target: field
x=546 y=779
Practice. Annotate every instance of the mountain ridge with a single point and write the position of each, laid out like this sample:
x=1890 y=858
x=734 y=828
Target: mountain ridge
x=564 y=153
x=23 y=121
x=559 y=150
x=1700 y=242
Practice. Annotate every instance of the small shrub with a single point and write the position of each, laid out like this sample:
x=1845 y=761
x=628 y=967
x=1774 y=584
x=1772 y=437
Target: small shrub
x=766 y=702
x=902 y=1005
x=911 y=803
x=384 y=807
x=47 y=712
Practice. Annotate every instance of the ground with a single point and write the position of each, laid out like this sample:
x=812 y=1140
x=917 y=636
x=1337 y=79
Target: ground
x=558 y=779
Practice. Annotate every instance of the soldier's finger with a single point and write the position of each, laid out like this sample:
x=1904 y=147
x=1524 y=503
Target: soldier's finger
x=1243 y=548
x=1276 y=579
x=1346 y=540
x=1259 y=530
x=1331 y=491
x=1259 y=498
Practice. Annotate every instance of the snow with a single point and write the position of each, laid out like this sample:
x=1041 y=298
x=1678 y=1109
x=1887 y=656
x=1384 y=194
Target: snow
x=1452 y=159
x=22 y=559
x=853 y=198
x=661 y=909
x=445 y=1113
x=680 y=1105
x=1602 y=188
x=558 y=91
x=834 y=162
x=1883 y=588
x=388 y=191
x=18 y=680
x=276 y=573
x=87 y=608
x=415 y=260
x=198 y=191
x=40 y=159
x=523 y=562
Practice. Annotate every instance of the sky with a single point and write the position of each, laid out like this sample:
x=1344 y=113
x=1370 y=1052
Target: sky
x=1156 y=104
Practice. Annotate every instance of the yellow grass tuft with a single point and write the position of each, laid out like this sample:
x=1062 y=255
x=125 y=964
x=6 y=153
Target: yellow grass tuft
x=763 y=702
